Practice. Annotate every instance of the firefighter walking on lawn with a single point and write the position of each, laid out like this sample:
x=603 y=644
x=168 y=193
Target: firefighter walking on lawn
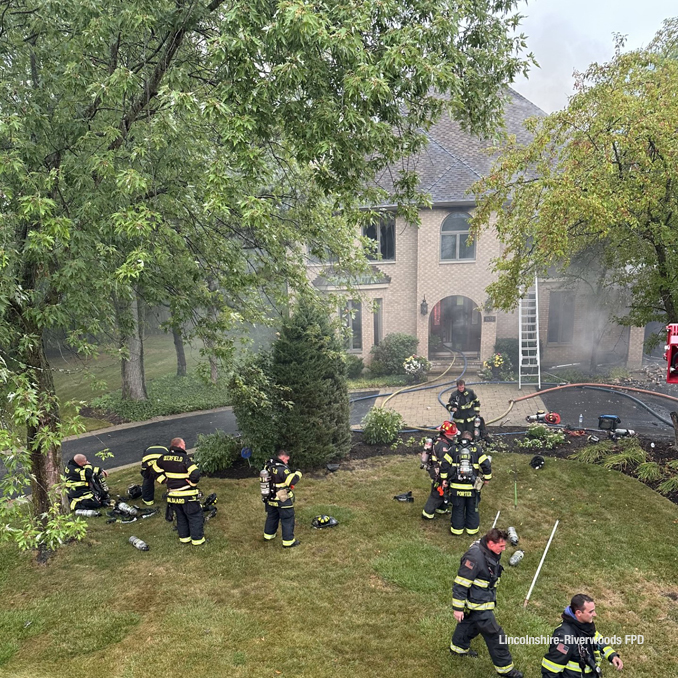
x=177 y=469
x=474 y=598
x=437 y=464
x=469 y=470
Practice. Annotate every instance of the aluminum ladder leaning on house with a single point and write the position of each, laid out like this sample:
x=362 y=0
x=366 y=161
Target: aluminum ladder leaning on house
x=529 y=367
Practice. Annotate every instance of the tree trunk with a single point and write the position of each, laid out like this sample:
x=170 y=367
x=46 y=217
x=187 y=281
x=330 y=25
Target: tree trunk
x=132 y=365
x=45 y=455
x=179 y=348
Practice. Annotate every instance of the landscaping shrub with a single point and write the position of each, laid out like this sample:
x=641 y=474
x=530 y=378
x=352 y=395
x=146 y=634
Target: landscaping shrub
x=217 y=451
x=388 y=357
x=307 y=360
x=509 y=348
x=381 y=426
x=354 y=366
x=166 y=395
x=296 y=397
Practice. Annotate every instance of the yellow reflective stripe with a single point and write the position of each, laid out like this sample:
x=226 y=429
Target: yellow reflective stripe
x=607 y=651
x=488 y=476
x=463 y=581
x=574 y=666
x=503 y=669
x=483 y=583
x=151 y=457
x=552 y=666
x=459 y=486
x=458 y=603
x=76 y=483
x=482 y=458
x=457 y=649
x=191 y=468
x=479 y=606
x=176 y=475
x=182 y=493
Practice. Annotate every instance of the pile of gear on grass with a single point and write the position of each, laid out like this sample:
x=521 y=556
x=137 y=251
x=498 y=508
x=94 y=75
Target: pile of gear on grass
x=89 y=493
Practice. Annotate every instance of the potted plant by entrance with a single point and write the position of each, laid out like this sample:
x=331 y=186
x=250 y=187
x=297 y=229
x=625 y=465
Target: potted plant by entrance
x=416 y=368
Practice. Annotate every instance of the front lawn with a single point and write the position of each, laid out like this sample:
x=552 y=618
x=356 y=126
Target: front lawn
x=369 y=598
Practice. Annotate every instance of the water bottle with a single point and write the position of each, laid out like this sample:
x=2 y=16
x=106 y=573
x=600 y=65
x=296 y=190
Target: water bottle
x=513 y=536
x=138 y=543
x=87 y=513
x=581 y=420
x=516 y=558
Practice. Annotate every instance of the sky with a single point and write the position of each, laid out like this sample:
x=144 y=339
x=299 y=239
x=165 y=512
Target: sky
x=568 y=35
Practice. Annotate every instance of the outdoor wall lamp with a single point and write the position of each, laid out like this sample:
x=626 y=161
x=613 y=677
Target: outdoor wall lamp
x=424 y=306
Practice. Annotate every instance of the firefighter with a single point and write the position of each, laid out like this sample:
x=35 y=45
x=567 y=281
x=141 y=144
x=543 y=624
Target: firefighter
x=177 y=469
x=465 y=481
x=85 y=484
x=280 y=504
x=438 y=464
x=151 y=455
x=577 y=648
x=474 y=598
x=465 y=406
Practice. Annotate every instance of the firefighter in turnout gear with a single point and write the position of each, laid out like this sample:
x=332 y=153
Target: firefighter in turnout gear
x=465 y=406
x=177 y=470
x=474 y=598
x=437 y=464
x=280 y=502
x=469 y=470
x=85 y=484
x=577 y=648
x=151 y=455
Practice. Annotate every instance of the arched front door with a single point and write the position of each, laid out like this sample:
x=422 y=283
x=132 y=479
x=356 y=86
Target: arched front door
x=455 y=323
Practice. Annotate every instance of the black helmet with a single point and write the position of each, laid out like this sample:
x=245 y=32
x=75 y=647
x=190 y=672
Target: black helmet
x=537 y=462
x=134 y=491
x=324 y=521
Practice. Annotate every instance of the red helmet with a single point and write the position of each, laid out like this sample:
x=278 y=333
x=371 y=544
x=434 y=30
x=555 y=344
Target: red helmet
x=448 y=428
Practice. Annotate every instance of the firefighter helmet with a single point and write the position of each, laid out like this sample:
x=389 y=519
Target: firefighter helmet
x=537 y=462
x=134 y=491
x=449 y=429
x=324 y=521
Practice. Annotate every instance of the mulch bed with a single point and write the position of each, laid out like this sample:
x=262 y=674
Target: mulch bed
x=662 y=452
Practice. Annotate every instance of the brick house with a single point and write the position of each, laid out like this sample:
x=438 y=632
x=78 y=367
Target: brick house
x=430 y=283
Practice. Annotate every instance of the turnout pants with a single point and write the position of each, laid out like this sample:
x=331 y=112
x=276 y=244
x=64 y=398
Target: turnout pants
x=464 y=423
x=190 y=522
x=465 y=511
x=484 y=623
x=279 y=514
x=148 y=486
x=434 y=504
x=86 y=503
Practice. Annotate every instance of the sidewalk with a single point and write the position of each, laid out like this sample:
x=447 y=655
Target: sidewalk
x=422 y=408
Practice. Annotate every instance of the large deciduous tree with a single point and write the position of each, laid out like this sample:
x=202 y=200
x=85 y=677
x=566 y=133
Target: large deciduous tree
x=200 y=147
x=601 y=173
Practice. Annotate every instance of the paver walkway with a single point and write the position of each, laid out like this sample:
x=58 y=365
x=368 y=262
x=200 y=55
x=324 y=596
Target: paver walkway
x=421 y=408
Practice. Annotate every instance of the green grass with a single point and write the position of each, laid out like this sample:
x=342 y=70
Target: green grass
x=81 y=379
x=367 y=599
x=369 y=383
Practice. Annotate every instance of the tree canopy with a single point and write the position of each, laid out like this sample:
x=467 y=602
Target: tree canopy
x=601 y=173
x=195 y=150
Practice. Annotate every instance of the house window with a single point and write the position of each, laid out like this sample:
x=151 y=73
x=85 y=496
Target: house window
x=454 y=242
x=561 y=318
x=378 y=321
x=383 y=233
x=354 y=322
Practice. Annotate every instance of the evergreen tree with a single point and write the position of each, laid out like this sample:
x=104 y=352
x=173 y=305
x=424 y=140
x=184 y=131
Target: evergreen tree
x=308 y=364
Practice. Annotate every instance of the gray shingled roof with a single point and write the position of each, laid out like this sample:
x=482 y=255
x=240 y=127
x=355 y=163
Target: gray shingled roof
x=454 y=159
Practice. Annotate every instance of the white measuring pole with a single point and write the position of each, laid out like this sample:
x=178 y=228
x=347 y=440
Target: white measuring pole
x=496 y=518
x=536 y=574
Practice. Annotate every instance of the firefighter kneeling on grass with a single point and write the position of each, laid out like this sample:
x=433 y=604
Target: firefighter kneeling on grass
x=177 y=469
x=437 y=463
x=469 y=471
x=280 y=500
